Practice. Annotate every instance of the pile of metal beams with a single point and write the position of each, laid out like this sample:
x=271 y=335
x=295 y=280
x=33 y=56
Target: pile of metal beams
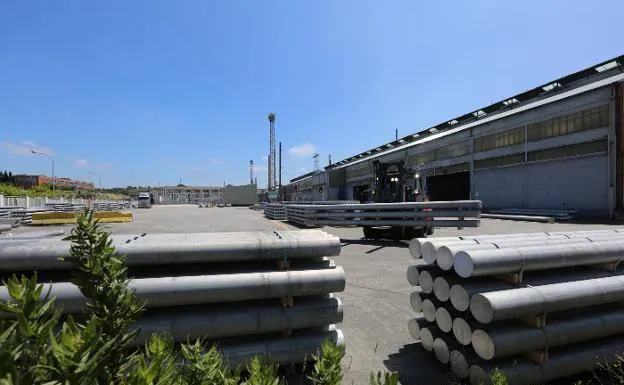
x=343 y=202
x=438 y=214
x=66 y=207
x=532 y=215
x=537 y=306
x=254 y=293
x=275 y=211
x=108 y=206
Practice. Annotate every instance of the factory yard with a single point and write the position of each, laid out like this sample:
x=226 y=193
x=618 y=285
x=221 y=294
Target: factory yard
x=376 y=298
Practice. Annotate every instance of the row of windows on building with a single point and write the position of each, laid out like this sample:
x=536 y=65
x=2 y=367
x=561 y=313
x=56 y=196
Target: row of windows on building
x=579 y=121
x=559 y=152
x=588 y=119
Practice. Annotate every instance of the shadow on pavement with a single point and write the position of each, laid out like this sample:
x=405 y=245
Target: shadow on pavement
x=416 y=366
x=370 y=242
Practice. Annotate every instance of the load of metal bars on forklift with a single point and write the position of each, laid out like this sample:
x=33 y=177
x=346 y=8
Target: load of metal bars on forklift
x=413 y=218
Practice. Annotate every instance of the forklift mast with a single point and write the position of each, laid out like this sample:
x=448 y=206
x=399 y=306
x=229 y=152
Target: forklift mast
x=389 y=182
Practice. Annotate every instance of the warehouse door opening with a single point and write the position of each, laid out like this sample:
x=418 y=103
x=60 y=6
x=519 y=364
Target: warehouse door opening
x=449 y=187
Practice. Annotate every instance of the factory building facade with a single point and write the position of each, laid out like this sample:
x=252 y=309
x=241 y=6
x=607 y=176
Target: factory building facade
x=557 y=146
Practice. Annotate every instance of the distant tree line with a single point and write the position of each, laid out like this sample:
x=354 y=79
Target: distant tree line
x=7 y=177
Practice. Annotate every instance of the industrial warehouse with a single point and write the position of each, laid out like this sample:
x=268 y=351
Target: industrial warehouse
x=558 y=146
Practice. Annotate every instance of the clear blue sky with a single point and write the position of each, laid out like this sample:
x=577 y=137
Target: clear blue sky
x=147 y=92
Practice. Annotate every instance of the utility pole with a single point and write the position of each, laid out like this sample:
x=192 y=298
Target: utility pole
x=329 y=160
x=396 y=134
x=251 y=172
x=272 y=168
x=280 y=170
x=49 y=157
x=316 y=162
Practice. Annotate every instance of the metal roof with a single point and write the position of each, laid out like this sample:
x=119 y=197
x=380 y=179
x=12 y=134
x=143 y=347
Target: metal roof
x=508 y=106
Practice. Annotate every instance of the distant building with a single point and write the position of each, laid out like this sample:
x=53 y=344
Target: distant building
x=30 y=181
x=182 y=194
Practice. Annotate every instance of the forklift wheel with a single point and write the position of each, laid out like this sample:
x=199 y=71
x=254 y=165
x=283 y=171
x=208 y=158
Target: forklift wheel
x=420 y=232
x=369 y=232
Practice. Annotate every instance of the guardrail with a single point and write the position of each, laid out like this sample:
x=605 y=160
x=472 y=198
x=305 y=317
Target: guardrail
x=388 y=214
x=252 y=293
x=537 y=306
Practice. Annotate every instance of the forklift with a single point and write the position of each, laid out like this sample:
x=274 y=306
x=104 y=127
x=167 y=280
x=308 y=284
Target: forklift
x=390 y=185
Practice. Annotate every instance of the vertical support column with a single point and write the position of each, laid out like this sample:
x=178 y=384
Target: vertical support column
x=616 y=120
x=2 y=203
x=611 y=155
x=27 y=201
x=473 y=193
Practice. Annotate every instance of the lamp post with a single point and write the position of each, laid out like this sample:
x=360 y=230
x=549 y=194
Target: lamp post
x=93 y=173
x=49 y=157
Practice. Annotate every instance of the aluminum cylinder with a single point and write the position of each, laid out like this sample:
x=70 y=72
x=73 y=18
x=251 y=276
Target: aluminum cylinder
x=462 y=292
x=425 y=281
x=461 y=360
x=489 y=262
x=414 y=325
x=562 y=362
x=442 y=286
x=295 y=349
x=225 y=321
x=413 y=274
x=397 y=222
x=444 y=318
x=445 y=256
x=442 y=348
x=429 y=308
x=23 y=257
x=532 y=301
x=464 y=204
x=416 y=301
x=203 y=289
x=428 y=335
x=516 y=337
x=462 y=330
x=429 y=248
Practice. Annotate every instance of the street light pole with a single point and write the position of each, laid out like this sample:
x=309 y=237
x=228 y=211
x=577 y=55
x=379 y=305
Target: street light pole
x=49 y=157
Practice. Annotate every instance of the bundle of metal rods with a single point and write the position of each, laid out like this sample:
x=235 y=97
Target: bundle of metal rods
x=437 y=214
x=536 y=306
x=275 y=211
x=253 y=293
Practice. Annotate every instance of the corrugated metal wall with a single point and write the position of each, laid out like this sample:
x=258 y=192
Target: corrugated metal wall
x=576 y=183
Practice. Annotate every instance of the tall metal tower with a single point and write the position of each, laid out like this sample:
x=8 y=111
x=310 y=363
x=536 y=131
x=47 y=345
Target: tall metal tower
x=316 y=162
x=251 y=171
x=272 y=168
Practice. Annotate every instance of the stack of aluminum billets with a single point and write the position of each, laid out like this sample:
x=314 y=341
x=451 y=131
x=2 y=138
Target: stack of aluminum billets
x=107 y=206
x=268 y=293
x=537 y=306
x=275 y=211
x=344 y=202
x=413 y=214
x=24 y=215
x=66 y=207
x=535 y=215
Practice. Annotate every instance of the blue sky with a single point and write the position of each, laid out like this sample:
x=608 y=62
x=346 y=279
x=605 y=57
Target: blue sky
x=147 y=91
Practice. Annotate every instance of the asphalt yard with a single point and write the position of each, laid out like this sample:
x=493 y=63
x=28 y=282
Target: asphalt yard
x=376 y=298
